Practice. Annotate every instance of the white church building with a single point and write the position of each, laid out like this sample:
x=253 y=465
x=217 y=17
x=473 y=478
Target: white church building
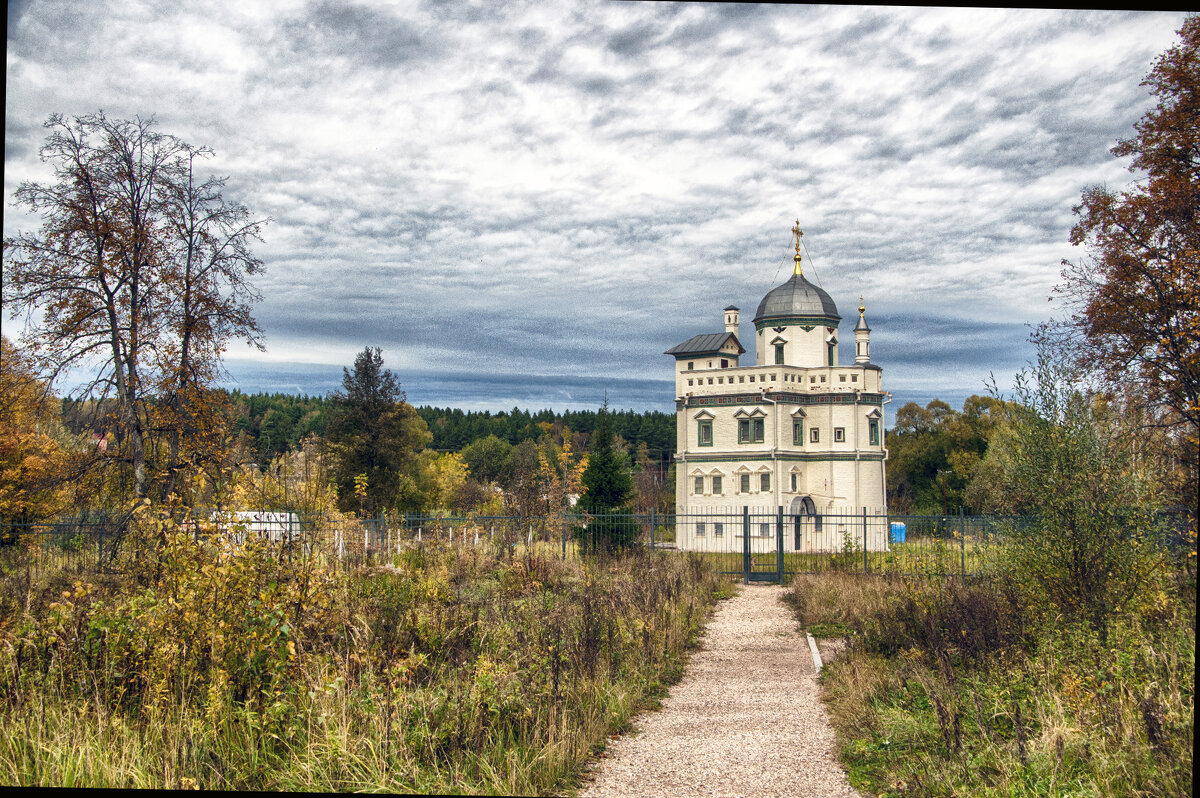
x=797 y=429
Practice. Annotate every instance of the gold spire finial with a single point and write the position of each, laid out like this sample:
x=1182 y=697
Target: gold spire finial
x=861 y=307
x=797 y=232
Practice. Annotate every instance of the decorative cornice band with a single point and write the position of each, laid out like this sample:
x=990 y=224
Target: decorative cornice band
x=806 y=457
x=800 y=321
x=808 y=399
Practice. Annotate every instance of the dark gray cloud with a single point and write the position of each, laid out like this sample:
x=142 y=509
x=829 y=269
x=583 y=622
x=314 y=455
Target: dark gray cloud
x=367 y=37
x=572 y=189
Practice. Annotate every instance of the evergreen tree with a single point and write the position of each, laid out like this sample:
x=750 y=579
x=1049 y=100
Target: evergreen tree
x=608 y=488
x=373 y=432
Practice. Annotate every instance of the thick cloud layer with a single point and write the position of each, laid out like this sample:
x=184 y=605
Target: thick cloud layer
x=570 y=189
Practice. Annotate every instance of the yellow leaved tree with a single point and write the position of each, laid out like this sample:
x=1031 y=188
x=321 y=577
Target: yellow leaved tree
x=33 y=460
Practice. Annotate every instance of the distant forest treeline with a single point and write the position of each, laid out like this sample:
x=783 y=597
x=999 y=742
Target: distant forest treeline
x=277 y=422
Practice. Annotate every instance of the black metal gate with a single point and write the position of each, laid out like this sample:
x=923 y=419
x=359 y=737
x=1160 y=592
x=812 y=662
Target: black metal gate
x=761 y=561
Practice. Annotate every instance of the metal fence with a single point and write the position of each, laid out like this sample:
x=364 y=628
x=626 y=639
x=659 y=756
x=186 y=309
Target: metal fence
x=754 y=545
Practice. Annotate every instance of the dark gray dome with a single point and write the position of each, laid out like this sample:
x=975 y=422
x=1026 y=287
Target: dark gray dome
x=796 y=297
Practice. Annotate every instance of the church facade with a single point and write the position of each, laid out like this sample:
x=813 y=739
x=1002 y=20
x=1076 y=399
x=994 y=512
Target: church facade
x=796 y=430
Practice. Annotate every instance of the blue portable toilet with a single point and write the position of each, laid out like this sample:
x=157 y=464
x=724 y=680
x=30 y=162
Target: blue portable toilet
x=898 y=530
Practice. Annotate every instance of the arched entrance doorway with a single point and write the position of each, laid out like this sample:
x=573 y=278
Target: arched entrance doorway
x=802 y=507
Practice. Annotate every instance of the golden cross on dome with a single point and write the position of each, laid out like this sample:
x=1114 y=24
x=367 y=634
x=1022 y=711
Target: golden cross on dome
x=797 y=232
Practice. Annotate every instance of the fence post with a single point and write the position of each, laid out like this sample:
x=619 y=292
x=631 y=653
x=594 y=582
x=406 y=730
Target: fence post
x=745 y=544
x=779 y=546
x=962 y=537
x=865 y=566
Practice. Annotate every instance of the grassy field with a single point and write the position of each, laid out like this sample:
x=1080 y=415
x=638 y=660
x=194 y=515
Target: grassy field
x=953 y=688
x=465 y=670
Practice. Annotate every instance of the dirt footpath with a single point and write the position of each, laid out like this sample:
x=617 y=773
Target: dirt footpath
x=745 y=719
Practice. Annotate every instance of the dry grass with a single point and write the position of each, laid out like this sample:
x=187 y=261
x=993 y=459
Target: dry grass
x=445 y=671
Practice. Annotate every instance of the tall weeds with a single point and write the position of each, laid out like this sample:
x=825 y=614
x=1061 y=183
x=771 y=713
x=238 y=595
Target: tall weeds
x=954 y=689
x=230 y=668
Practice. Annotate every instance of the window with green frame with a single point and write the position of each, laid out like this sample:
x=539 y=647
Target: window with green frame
x=750 y=430
x=745 y=483
x=764 y=482
x=698 y=488
x=874 y=431
x=832 y=351
x=716 y=485
x=778 y=354
x=704 y=435
x=797 y=432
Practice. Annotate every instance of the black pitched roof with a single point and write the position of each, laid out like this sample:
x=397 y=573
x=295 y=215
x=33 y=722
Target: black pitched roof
x=707 y=344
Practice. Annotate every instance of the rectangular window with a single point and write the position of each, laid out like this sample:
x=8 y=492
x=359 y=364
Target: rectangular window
x=716 y=486
x=745 y=483
x=704 y=433
x=758 y=430
x=700 y=529
x=853 y=378
x=812 y=379
x=832 y=352
x=841 y=378
x=818 y=524
x=741 y=379
x=698 y=488
x=814 y=435
x=797 y=432
x=744 y=430
x=764 y=530
x=718 y=529
x=874 y=427
x=689 y=382
x=765 y=482
x=778 y=354
x=691 y=365
x=839 y=434
x=795 y=480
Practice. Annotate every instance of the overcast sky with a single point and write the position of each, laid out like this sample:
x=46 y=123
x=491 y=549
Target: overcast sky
x=493 y=191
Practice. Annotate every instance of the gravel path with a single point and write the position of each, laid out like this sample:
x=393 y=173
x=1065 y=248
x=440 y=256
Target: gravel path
x=745 y=720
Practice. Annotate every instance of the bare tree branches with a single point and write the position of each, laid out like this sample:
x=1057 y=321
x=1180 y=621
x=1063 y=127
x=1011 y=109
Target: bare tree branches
x=140 y=272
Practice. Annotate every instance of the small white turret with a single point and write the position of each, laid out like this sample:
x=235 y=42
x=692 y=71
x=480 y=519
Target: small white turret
x=731 y=320
x=862 y=336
